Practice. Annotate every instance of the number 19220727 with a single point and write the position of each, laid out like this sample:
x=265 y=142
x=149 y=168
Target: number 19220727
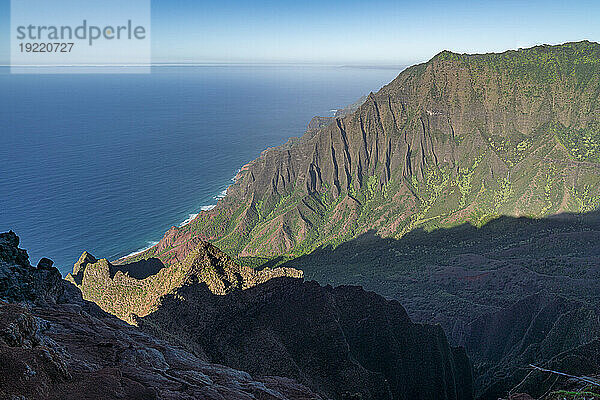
x=46 y=47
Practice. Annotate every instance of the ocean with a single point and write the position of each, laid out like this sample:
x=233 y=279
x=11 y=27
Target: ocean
x=108 y=163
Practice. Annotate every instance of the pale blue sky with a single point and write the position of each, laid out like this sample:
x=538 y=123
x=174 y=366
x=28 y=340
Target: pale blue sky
x=352 y=32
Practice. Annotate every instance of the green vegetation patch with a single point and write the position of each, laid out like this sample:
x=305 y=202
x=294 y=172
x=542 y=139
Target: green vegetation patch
x=583 y=144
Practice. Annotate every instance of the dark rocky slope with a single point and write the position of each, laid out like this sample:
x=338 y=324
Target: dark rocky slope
x=341 y=342
x=550 y=331
x=55 y=345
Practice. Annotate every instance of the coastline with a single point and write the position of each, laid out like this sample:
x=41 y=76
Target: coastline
x=191 y=217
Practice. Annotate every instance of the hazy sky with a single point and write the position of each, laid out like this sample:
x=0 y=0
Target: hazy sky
x=353 y=32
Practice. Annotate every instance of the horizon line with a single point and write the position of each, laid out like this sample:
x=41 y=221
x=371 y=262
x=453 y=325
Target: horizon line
x=207 y=64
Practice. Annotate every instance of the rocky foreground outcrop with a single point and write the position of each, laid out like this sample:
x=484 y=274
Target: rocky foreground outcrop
x=55 y=345
x=293 y=339
x=77 y=352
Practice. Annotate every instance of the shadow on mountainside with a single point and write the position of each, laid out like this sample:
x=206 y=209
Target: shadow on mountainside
x=515 y=291
x=139 y=269
x=343 y=343
x=508 y=258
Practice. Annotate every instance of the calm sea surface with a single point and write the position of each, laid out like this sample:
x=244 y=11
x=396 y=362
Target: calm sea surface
x=107 y=163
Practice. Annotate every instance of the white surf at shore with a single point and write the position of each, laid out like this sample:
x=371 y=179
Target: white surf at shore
x=149 y=246
x=189 y=219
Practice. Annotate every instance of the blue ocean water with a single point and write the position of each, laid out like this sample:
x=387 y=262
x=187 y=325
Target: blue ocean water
x=107 y=163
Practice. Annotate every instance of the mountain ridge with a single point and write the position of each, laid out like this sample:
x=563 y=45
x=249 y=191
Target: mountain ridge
x=134 y=290
x=459 y=138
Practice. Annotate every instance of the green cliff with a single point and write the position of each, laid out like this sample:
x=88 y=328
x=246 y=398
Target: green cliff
x=461 y=138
